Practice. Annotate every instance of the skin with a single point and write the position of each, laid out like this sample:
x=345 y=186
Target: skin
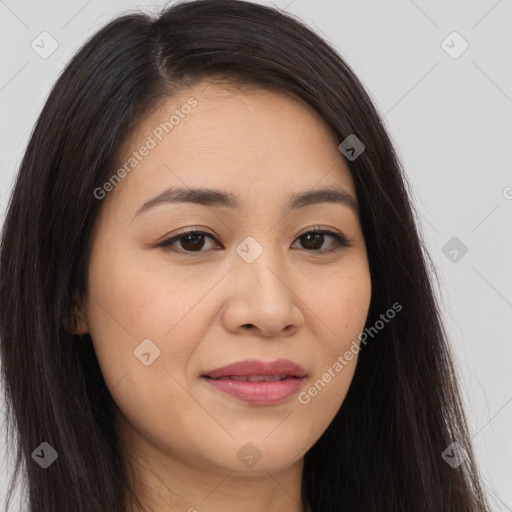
x=206 y=309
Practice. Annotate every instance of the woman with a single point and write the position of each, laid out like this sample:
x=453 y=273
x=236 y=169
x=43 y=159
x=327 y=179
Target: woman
x=213 y=292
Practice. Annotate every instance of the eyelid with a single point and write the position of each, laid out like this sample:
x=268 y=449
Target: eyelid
x=185 y=231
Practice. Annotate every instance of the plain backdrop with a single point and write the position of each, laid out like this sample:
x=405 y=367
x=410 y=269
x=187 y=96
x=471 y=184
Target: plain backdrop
x=449 y=113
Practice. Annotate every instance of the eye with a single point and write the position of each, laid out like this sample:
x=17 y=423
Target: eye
x=315 y=239
x=190 y=241
x=193 y=240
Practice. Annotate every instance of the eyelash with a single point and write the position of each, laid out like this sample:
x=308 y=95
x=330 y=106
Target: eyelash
x=340 y=241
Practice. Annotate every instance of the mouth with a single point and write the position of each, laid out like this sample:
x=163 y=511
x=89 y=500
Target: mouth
x=259 y=370
x=254 y=378
x=257 y=382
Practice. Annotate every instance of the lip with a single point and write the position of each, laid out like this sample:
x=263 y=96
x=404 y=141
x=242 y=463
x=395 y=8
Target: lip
x=256 y=367
x=259 y=392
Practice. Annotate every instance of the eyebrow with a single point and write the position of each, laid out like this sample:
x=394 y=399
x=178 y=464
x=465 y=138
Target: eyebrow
x=217 y=198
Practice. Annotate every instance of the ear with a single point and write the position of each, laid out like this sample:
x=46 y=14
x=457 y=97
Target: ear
x=76 y=322
x=82 y=327
x=81 y=324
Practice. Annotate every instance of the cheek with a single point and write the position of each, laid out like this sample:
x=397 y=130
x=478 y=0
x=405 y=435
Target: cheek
x=339 y=312
x=129 y=304
x=340 y=307
x=140 y=315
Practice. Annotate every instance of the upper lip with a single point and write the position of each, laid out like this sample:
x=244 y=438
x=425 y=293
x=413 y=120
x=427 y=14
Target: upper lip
x=255 y=367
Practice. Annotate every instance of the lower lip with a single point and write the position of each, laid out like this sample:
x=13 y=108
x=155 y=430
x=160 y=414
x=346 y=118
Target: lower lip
x=261 y=392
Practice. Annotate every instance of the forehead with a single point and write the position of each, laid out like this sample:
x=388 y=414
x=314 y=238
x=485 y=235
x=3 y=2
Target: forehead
x=253 y=143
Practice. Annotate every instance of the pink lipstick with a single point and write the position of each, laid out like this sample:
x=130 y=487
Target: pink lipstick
x=258 y=382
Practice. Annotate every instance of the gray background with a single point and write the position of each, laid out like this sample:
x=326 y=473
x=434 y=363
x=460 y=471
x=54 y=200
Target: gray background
x=451 y=119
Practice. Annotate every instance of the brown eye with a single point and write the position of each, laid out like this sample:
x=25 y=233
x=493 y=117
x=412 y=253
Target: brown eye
x=313 y=241
x=191 y=241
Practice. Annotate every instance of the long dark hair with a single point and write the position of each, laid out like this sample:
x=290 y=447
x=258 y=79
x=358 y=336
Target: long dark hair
x=383 y=450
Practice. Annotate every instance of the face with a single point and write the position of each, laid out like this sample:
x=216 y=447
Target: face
x=265 y=282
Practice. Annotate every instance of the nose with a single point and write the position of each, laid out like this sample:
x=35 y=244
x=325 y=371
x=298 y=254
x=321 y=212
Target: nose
x=262 y=300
